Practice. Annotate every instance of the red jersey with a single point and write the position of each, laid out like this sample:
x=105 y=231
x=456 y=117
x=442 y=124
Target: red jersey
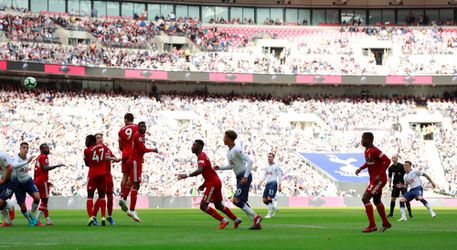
x=209 y=174
x=376 y=162
x=138 y=147
x=108 y=163
x=40 y=174
x=126 y=137
x=94 y=157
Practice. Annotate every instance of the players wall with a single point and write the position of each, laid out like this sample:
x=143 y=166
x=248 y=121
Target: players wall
x=193 y=202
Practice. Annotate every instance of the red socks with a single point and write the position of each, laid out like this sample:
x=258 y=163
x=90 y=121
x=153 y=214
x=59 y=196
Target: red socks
x=133 y=196
x=370 y=215
x=126 y=192
x=214 y=213
x=229 y=213
x=103 y=206
x=110 y=204
x=382 y=213
x=89 y=206
x=96 y=207
x=44 y=208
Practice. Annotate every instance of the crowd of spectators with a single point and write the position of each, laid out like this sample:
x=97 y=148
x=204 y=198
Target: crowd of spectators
x=415 y=50
x=63 y=119
x=36 y=28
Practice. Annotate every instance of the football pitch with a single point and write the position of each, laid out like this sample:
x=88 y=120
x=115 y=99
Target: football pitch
x=191 y=229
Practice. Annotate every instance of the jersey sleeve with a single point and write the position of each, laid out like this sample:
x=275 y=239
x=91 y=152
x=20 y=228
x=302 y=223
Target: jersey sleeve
x=86 y=156
x=247 y=159
x=201 y=162
x=419 y=173
x=279 y=173
x=6 y=159
x=390 y=171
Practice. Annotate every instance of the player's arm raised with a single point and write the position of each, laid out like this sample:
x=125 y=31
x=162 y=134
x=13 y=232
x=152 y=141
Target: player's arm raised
x=20 y=165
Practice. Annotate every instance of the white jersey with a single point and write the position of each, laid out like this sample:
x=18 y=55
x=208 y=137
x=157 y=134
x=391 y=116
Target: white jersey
x=5 y=160
x=238 y=161
x=413 y=178
x=273 y=173
x=21 y=169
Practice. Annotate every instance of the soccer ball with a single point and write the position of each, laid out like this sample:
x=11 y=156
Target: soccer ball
x=30 y=83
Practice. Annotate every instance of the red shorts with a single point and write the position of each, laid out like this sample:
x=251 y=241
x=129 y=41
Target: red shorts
x=375 y=187
x=43 y=188
x=135 y=170
x=109 y=184
x=124 y=167
x=213 y=192
x=97 y=182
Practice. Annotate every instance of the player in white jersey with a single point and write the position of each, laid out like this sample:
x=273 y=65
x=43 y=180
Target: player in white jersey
x=272 y=175
x=241 y=165
x=25 y=183
x=413 y=180
x=7 y=187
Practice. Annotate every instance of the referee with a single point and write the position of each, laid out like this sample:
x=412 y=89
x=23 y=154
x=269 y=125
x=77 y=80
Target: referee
x=397 y=171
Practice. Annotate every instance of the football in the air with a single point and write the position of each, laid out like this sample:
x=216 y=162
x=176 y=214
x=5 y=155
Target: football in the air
x=30 y=83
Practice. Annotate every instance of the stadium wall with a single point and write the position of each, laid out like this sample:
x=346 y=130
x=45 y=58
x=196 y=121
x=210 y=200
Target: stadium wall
x=77 y=202
x=15 y=68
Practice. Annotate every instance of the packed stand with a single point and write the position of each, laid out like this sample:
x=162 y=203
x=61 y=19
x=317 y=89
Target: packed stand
x=34 y=28
x=63 y=119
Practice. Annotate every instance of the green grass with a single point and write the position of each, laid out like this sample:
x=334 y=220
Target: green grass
x=192 y=229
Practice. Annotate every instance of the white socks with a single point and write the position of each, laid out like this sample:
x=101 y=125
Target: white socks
x=403 y=212
x=6 y=216
x=270 y=208
x=249 y=212
x=38 y=215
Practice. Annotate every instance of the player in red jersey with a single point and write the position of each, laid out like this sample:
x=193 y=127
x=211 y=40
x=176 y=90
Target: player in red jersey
x=135 y=165
x=125 y=145
x=377 y=164
x=41 y=178
x=212 y=186
x=109 y=185
x=95 y=157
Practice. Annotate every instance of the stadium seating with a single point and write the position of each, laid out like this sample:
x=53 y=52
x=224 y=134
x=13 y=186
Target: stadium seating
x=63 y=119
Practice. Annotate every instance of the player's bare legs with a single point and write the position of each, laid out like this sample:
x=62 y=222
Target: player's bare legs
x=133 y=197
x=381 y=211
